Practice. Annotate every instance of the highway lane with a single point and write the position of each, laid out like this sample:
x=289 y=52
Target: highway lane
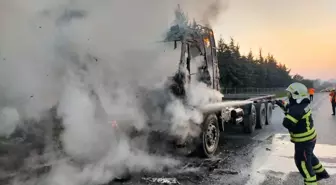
x=262 y=158
x=277 y=167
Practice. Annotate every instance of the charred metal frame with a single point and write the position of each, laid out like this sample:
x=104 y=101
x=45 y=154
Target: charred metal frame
x=196 y=37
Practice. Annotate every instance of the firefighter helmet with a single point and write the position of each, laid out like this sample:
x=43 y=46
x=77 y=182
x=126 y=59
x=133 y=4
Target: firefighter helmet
x=297 y=91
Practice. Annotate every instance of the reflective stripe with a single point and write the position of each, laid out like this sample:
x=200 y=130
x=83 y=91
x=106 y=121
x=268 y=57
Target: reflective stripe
x=303 y=139
x=311 y=183
x=305 y=134
x=318 y=168
x=306 y=116
x=311 y=180
x=291 y=118
x=305 y=171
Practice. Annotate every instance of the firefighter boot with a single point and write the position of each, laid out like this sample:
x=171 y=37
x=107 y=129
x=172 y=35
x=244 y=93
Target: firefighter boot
x=323 y=175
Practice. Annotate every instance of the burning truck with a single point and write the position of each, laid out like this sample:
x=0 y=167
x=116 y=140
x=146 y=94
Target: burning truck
x=195 y=43
x=248 y=110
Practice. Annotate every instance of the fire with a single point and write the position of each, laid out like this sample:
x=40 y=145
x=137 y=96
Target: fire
x=206 y=42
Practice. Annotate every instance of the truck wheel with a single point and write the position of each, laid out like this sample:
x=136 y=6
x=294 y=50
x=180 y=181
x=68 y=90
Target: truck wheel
x=269 y=111
x=209 y=137
x=250 y=120
x=261 y=115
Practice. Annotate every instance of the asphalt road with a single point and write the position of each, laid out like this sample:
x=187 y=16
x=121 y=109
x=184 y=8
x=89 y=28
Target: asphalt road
x=262 y=158
x=276 y=165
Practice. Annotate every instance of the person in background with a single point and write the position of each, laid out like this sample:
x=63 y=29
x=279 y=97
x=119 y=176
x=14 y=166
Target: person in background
x=311 y=93
x=300 y=124
x=333 y=101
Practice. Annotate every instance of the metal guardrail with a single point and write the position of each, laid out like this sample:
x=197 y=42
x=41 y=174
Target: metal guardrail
x=252 y=90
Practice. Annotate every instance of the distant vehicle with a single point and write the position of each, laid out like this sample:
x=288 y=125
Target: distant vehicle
x=327 y=90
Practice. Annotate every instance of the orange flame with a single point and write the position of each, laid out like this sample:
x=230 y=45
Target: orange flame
x=206 y=42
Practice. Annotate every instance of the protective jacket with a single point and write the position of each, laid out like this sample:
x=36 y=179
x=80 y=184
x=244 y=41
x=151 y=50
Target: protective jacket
x=332 y=97
x=299 y=122
x=311 y=91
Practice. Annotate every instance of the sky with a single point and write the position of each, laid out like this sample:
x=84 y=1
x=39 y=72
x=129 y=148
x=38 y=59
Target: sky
x=299 y=33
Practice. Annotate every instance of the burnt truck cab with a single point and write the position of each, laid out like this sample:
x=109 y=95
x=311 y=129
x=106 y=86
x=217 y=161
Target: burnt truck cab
x=197 y=42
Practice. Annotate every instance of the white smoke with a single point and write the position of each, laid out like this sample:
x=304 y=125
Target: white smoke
x=90 y=57
x=9 y=118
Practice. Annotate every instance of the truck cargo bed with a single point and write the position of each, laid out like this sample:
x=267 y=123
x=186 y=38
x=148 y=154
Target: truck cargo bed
x=250 y=97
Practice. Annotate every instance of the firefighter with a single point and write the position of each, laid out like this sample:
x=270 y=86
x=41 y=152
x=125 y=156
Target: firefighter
x=333 y=101
x=311 y=93
x=299 y=122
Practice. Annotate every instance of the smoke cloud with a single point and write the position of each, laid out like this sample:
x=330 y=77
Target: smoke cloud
x=205 y=12
x=98 y=61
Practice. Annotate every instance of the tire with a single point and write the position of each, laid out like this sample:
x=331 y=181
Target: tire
x=250 y=120
x=269 y=113
x=261 y=115
x=209 y=137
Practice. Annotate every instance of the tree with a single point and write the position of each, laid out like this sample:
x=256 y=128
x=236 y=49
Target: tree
x=298 y=78
x=248 y=71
